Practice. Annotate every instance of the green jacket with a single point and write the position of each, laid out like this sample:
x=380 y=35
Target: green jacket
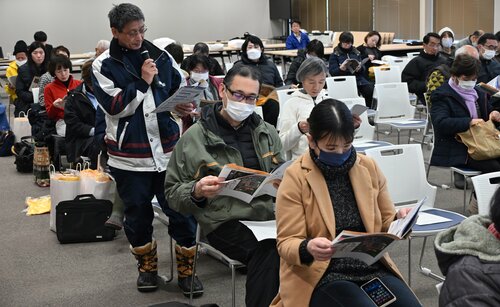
x=201 y=152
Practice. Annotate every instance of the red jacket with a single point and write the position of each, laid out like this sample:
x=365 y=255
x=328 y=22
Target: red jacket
x=57 y=89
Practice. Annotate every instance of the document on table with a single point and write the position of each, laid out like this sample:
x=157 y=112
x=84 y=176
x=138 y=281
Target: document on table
x=184 y=94
x=262 y=229
x=428 y=219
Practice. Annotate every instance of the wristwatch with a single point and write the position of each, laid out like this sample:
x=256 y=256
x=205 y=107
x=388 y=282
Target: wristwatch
x=200 y=202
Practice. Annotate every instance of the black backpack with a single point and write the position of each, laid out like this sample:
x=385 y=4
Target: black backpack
x=7 y=139
x=24 y=151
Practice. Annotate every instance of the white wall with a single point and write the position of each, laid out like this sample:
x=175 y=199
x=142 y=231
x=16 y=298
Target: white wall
x=79 y=24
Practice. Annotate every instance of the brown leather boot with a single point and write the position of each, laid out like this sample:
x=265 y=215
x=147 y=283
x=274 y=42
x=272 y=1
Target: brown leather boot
x=147 y=264
x=185 y=260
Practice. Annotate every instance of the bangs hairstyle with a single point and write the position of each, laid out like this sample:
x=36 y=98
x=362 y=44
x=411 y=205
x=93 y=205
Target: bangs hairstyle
x=251 y=39
x=196 y=59
x=374 y=33
x=57 y=62
x=465 y=65
x=332 y=119
x=315 y=46
x=346 y=37
x=311 y=67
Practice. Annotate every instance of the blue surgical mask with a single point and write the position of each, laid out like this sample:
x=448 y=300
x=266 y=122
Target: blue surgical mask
x=333 y=158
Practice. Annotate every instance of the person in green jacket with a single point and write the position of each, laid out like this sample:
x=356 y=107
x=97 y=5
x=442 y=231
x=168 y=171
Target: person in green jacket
x=229 y=132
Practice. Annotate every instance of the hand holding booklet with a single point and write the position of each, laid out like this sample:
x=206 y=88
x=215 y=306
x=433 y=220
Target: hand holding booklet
x=370 y=247
x=246 y=184
x=184 y=94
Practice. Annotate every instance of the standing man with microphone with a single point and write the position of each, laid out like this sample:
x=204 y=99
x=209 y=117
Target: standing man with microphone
x=130 y=80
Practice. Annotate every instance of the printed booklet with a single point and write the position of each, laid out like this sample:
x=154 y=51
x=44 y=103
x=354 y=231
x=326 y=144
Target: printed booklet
x=371 y=247
x=246 y=183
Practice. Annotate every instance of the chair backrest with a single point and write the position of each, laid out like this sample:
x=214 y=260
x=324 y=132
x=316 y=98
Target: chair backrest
x=387 y=74
x=284 y=95
x=403 y=167
x=393 y=103
x=411 y=55
x=485 y=186
x=366 y=132
x=397 y=61
x=342 y=87
x=229 y=65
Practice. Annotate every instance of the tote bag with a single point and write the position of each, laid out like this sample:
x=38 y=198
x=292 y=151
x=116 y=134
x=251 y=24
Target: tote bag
x=21 y=126
x=482 y=141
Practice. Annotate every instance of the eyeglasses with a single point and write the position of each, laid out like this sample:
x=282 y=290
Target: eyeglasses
x=490 y=47
x=134 y=33
x=240 y=97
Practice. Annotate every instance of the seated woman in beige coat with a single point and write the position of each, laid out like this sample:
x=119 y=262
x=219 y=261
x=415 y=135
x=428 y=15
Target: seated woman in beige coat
x=327 y=190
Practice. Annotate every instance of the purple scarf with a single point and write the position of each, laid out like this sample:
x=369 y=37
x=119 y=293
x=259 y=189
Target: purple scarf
x=469 y=96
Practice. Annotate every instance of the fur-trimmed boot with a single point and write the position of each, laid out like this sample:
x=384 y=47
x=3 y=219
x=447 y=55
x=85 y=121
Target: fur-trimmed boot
x=185 y=260
x=147 y=264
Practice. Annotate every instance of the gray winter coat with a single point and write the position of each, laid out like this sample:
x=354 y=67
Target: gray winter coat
x=469 y=257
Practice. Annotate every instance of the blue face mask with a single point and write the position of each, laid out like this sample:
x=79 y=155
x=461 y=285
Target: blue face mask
x=334 y=159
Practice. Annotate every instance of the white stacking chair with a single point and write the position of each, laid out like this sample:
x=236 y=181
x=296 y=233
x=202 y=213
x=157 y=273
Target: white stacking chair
x=228 y=66
x=398 y=61
x=387 y=74
x=396 y=163
x=394 y=109
x=284 y=95
x=233 y=264
x=411 y=55
x=341 y=87
x=364 y=137
x=485 y=186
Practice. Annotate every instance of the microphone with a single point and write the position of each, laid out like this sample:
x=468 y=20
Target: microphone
x=156 y=81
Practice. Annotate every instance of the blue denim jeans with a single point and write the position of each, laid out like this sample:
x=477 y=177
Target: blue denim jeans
x=137 y=190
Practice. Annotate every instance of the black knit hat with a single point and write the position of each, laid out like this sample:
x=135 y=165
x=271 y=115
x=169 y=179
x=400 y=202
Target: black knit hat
x=20 y=47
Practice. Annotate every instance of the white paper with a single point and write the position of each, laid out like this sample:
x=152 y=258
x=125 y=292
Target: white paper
x=428 y=219
x=185 y=94
x=358 y=109
x=262 y=229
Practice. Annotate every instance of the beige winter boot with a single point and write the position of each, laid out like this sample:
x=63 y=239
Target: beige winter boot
x=147 y=264
x=185 y=260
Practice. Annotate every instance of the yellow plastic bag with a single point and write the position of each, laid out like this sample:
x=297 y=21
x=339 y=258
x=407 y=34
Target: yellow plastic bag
x=37 y=205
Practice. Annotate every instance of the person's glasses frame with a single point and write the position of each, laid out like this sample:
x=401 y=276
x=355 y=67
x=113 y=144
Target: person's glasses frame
x=240 y=97
x=134 y=33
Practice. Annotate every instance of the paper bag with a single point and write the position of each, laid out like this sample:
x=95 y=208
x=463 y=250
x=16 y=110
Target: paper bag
x=482 y=141
x=21 y=126
x=63 y=186
x=98 y=184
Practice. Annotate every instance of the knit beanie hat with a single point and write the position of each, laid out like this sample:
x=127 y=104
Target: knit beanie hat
x=20 y=47
x=446 y=29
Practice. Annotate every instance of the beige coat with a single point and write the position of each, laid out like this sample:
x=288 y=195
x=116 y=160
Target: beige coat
x=304 y=210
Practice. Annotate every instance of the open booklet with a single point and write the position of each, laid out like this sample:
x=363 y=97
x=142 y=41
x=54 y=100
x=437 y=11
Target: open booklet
x=370 y=247
x=489 y=88
x=353 y=64
x=246 y=184
x=184 y=94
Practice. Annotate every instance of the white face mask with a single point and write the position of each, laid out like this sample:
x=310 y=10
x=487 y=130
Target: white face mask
x=447 y=42
x=197 y=77
x=489 y=54
x=19 y=63
x=467 y=85
x=239 y=111
x=254 y=54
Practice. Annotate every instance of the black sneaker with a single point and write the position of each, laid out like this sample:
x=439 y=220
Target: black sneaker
x=185 y=285
x=147 y=282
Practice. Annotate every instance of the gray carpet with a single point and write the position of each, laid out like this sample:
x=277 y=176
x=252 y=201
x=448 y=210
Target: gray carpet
x=38 y=271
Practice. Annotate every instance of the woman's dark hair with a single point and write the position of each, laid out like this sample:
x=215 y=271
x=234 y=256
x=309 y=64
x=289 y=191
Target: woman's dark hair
x=465 y=65
x=331 y=118
x=251 y=39
x=87 y=72
x=201 y=48
x=175 y=51
x=315 y=46
x=373 y=33
x=346 y=37
x=60 y=48
x=495 y=209
x=34 y=68
x=196 y=59
x=58 y=61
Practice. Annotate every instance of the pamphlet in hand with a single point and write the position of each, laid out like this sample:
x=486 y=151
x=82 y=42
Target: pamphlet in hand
x=246 y=183
x=34 y=82
x=358 y=109
x=12 y=81
x=184 y=94
x=353 y=64
x=370 y=247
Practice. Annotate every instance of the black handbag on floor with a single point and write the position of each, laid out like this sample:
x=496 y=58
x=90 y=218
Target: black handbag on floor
x=82 y=220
